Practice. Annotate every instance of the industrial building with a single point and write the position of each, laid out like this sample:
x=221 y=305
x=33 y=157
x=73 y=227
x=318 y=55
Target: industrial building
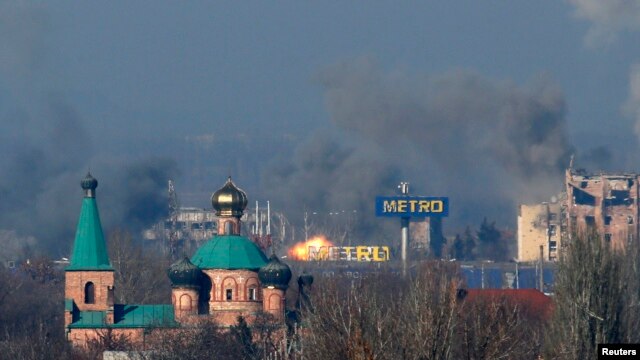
x=187 y=228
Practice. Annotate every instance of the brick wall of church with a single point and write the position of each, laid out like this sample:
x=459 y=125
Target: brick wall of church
x=75 y=282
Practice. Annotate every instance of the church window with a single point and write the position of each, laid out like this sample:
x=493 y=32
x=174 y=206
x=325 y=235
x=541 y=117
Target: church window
x=229 y=294
x=252 y=294
x=89 y=293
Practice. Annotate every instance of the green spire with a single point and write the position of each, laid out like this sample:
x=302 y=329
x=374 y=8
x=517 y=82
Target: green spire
x=89 y=249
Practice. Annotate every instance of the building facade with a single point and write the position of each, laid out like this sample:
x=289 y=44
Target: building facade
x=540 y=227
x=229 y=276
x=604 y=203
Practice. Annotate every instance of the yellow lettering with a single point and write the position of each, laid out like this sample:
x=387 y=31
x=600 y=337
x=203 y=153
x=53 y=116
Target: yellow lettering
x=347 y=252
x=312 y=253
x=402 y=206
x=334 y=253
x=413 y=205
x=389 y=206
x=437 y=206
x=386 y=251
x=376 y=254
x=424 y=206
x=362 y=253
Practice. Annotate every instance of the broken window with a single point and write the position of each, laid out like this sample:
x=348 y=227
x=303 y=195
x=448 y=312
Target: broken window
x=583 y=198
x=630 y=220
x=553 y=216
x=590 y=221
x=617 y=198
x=607 y=238
x=552 y=230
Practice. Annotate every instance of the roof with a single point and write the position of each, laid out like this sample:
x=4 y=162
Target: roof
x=89 y=249
x=229 y=252
x=531 y=300
x=127 y=316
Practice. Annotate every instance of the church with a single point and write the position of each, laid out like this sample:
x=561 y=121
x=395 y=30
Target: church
x=227 y=277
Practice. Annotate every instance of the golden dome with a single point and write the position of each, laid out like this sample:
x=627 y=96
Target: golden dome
x=229 y=200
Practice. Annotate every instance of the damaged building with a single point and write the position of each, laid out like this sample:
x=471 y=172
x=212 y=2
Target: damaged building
x=605 y=203
x=540 y=226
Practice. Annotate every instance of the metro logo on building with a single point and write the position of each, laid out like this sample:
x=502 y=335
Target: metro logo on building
x=412 y=206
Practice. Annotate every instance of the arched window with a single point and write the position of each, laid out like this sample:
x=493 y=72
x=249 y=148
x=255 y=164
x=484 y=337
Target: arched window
x=228 y=228
x=89 y=293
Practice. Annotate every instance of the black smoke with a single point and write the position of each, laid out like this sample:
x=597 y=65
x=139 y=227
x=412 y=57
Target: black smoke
x=487 y=144
x=47 y=146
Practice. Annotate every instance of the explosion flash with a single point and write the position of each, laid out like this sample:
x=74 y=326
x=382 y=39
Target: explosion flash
x=300 y=251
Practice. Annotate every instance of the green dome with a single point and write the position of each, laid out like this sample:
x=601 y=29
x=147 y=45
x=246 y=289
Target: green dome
x=275 y=274
x=229 y=252
x=89 y=182
x=184 y=273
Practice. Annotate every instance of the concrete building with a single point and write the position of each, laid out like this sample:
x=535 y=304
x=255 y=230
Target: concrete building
x=227 y=277
x=426 y=236
x=605 y=203
x=540 y=225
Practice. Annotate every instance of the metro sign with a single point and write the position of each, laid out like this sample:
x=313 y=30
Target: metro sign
x=412 y=206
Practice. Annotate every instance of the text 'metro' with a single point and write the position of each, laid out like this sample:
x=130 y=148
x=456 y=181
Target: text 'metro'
x=412 y=206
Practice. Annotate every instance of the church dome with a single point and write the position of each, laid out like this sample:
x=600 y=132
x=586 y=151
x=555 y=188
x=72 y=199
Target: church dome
x=184 y=273
x=275 y=274
x=89 y=182
x=229 y=252
x=229 y=200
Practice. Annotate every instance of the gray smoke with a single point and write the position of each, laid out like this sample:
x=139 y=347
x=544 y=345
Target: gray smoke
x=330 y=175
x=47 y=146
x=608 y=18
x=486 y=144
x=632 y=106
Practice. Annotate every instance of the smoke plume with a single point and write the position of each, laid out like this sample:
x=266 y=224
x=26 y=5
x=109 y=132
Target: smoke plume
x=47 y=146
x=608 y=18
x=632 y=106
x=486 y=144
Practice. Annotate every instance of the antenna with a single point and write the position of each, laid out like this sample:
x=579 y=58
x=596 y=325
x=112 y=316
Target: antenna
x=257 y=221
x=268 y=218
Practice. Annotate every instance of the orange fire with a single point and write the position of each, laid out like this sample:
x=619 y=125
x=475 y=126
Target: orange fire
x=300 y=251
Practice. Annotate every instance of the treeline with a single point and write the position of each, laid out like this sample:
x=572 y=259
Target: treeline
x=426 y=315
x=487 y=243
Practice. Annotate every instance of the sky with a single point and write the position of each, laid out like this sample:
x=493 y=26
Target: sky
x=317 y=107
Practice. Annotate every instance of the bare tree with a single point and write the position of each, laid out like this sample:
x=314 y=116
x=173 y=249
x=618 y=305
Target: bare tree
x=596 y=298
x=140 y=275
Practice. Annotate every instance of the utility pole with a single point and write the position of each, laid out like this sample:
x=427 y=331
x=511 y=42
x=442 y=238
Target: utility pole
x=404 y=225
x=174 y=207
